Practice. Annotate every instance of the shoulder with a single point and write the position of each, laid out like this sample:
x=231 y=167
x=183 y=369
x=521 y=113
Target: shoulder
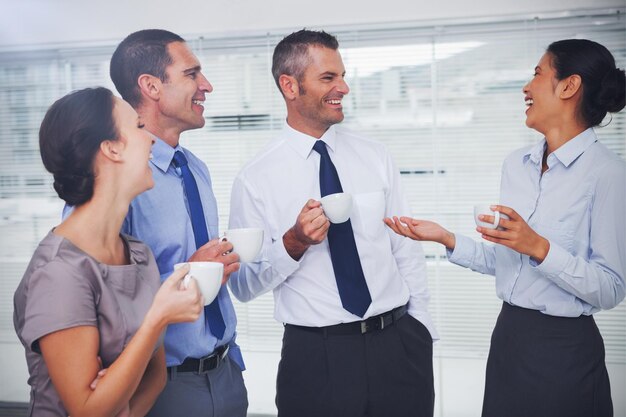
x=140 y=252
x=357 y=139
x=275 y=151
x=195 y=160
x=605 y=161
x=519 y=154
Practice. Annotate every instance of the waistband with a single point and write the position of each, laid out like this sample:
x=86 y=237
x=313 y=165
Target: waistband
x=204 y=364
x=371 y=324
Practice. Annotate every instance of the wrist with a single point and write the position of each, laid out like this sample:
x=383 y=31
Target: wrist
x=154 y=319
x=294 y=247
x=449 y=240
x=542 y=249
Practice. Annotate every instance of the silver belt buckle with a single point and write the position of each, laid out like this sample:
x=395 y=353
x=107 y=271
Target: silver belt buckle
x=382 y=321
x=363 y=327
x=225 y=352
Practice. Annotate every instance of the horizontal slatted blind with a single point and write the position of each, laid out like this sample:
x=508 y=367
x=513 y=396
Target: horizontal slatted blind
x=445 y=99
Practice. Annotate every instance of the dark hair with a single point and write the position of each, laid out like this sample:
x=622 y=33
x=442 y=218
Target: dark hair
x=603 y=85
x=142 y=52
x=69 y=138
x=291 y=55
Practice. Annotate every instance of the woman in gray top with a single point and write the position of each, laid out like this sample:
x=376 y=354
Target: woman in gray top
x=90 y=293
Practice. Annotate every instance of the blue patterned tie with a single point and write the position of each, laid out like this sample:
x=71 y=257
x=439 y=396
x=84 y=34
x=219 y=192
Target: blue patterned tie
x=212 y=311
x=353 y=291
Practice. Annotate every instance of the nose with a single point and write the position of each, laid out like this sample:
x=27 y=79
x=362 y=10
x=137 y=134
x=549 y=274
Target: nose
x=525 y=87
x=342 y=87
x=203 y=84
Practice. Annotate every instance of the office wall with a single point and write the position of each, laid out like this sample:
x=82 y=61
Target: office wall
x=32 y=22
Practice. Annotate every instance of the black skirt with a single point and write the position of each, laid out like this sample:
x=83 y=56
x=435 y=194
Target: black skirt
x=546 y=366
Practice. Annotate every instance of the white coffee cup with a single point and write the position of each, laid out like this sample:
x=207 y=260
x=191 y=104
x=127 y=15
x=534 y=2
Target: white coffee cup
x=208 y=275
x=337 y=207
x=247 y=242
x=486 y=210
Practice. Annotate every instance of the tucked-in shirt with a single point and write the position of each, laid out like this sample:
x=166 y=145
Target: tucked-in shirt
x=270 y=192
x=160 y=217
x=63 y=287
x=579 y=205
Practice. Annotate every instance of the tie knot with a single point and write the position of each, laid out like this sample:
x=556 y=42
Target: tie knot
x=320 y=148
x=179 y=159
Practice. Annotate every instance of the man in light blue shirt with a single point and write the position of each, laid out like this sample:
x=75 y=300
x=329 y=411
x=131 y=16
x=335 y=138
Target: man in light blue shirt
x=156 y=72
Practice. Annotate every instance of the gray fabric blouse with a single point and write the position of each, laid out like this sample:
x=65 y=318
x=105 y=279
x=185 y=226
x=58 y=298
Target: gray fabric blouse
x=63 y=287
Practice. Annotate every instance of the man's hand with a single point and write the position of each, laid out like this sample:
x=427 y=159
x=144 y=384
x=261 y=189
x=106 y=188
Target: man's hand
x=311 y=228
x=218 y=250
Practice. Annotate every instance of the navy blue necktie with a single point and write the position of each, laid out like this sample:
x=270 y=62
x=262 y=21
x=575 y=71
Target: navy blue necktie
x=212 y=311
x=353 y=291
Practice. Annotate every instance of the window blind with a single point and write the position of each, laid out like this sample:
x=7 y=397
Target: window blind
x=445 y=99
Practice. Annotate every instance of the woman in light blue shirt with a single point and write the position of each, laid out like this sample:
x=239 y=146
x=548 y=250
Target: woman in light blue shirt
x=561 y=254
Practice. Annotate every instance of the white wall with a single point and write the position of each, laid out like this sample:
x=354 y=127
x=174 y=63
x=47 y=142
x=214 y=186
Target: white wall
x=32 y=22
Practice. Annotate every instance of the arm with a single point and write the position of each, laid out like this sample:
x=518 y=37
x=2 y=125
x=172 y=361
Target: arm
x=597 y=279
x=279 y=257
x=71 y=355
x=461 y=250
x=151 y=385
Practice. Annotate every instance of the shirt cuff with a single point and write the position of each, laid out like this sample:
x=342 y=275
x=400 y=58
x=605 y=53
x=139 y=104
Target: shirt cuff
x=463 y=252
x=554 y=263
x=280 y=260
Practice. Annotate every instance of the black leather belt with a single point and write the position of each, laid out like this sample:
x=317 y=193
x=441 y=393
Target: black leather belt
x=204 y=364
x=368 y=325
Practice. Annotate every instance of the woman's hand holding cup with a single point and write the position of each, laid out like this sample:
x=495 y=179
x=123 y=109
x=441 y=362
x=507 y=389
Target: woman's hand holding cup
x=513 y=232
x=176 y=302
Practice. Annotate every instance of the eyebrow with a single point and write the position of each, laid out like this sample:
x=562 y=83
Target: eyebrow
x=331 y=73
x=192 y=69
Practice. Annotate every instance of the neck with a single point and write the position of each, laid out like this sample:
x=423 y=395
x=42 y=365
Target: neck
x=156 y=124
x=559 y=136
x=316 y=131
x=95 y=226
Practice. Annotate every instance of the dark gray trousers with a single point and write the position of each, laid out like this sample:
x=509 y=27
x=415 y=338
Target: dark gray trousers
x=217 y=393
x=385 y=373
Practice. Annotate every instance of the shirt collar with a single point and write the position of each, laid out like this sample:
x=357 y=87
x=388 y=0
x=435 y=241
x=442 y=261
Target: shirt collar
x=162 y=153
x=303 y=143
x=567 y=153
x=575 y=147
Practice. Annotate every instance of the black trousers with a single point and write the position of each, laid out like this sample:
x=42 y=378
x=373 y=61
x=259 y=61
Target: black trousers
x=546 y=366
x=384 y=373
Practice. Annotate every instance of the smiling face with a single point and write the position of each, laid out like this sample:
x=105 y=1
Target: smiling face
x=137 y=144
x=183 y=93
x=541 y=93
x=317 y=102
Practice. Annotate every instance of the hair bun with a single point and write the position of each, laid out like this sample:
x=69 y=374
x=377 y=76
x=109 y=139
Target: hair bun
x=75 y=189
x=612 y=93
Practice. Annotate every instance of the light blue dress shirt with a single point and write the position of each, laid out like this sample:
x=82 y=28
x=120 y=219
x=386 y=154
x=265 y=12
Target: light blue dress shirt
x=579 y=205
x=160 y=218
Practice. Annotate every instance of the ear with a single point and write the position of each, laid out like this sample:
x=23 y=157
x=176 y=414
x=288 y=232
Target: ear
x=149 y=85
x=569 y=86
x=289 y=86
x=112 y=149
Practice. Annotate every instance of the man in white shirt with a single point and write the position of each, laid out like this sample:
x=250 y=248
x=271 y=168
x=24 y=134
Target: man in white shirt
x=342 y=290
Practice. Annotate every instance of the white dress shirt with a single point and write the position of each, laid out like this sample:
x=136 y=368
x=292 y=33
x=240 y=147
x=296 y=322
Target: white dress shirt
x=270 y=192
x=579 y=205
